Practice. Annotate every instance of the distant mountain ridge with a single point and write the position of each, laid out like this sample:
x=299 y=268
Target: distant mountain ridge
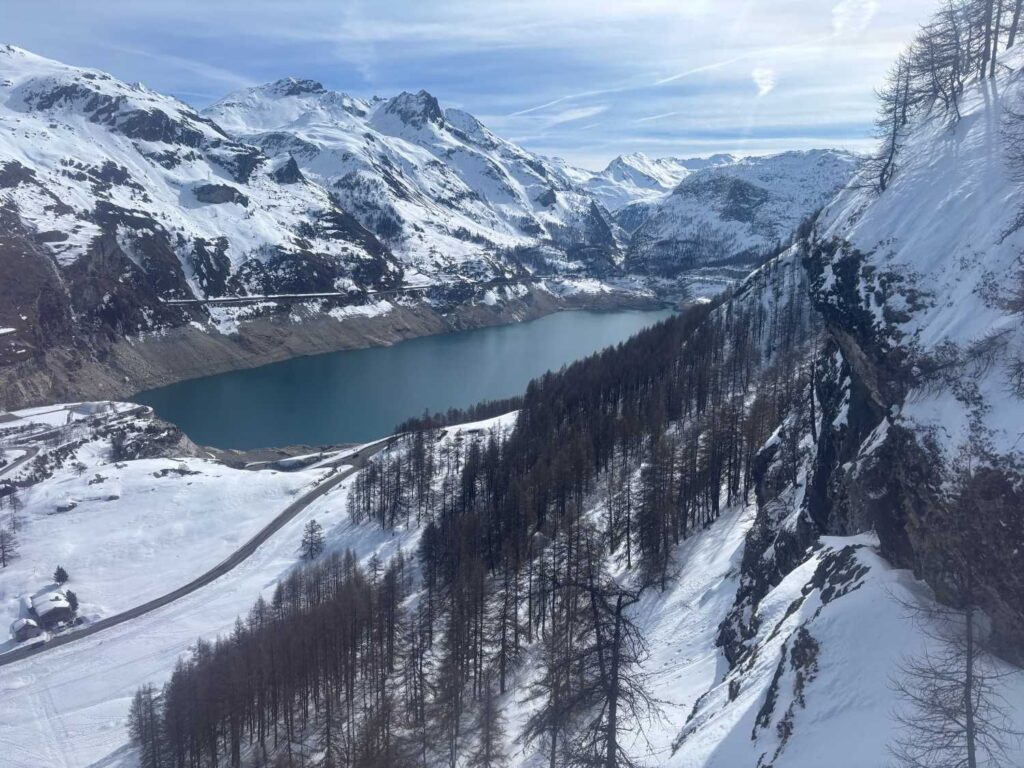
x=732 y=210
x=637 y=178
x=442 y=190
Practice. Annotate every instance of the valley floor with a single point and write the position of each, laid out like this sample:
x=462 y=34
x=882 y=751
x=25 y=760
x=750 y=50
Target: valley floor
x=66 y=706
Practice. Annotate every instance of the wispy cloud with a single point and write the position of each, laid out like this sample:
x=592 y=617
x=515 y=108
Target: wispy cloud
x=563 y=99
x=577 y=78
x=580 y=113
x=702 y=68
x=652 y=118
x=850 y=18
x=765 y=79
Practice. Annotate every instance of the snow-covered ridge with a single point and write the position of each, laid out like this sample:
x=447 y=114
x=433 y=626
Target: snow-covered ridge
x=435 y=184
x=637 y=178
x=734 y=208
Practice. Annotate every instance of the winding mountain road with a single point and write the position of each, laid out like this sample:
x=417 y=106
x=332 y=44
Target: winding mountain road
x=356 y=461
x=30 y=453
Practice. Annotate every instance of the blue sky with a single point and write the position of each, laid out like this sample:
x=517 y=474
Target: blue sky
x=582 y=79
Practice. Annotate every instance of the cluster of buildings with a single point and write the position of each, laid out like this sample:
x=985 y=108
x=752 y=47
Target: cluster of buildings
x=49 y=610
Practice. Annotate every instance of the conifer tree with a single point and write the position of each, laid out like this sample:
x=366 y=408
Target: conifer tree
x=312 y=540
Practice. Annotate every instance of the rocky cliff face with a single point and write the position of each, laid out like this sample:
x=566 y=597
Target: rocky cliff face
x=913 y=379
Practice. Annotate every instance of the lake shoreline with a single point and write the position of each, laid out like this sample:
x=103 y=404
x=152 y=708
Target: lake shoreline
x=128 y=367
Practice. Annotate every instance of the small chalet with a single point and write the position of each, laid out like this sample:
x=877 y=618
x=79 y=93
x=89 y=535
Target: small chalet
x=25 y=629
x=51 y=609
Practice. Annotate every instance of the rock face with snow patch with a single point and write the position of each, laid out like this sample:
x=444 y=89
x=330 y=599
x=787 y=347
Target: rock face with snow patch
x=916 y=379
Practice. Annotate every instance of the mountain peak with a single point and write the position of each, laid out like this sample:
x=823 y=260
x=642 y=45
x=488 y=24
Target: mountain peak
x=294 y=86
x=722 y=158
x=6 y=49
x=629 y=160
x=20 y=59
x=415 y=109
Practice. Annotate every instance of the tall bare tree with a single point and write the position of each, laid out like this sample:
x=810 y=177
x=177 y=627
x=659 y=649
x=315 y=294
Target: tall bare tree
x=891 y=124
x=955 y=715
x=1014 y=24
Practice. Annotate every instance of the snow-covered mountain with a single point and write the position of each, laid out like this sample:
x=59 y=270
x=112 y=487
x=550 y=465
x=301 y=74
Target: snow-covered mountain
x=97 y=168
x=637 y=178
x=443 y=191
x=732 y=209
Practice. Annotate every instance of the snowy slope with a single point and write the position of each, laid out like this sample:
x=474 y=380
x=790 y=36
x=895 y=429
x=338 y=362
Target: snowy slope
x=66 y=708
x=124 y=530
x=441 y=189
x=734 y=209
x=911 y=287
x=945 y=240
x=816 y=690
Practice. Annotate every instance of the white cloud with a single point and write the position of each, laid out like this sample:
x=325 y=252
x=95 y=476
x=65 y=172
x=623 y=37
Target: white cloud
x=662 y=116
x=764 y=78
x=850 y=18
x=569 y=115
x=567 y=97
x=702 y=68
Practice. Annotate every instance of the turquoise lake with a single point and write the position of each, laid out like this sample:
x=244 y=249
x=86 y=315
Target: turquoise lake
x=360 y=395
